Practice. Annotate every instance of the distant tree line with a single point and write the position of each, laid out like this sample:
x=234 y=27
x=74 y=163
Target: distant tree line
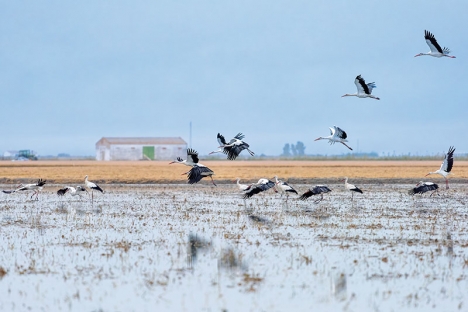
x=294 y=150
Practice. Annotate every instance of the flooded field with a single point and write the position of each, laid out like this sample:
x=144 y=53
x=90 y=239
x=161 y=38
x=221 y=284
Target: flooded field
x=197 y=248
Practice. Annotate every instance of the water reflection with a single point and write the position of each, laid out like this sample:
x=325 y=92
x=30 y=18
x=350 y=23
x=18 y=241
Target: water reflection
x=195 y=244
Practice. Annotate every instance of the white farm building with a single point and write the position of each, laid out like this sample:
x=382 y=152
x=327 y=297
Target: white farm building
x=140 y=148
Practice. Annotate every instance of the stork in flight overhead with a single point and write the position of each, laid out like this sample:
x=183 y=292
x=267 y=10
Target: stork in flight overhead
x=234 y=147
x=446 y=167
x=423 y=187
x=72 y=191
x=261 y=186
x=364 y=90
x=316 y=190
x=36 y=187
x=336 y=135
x=351 y=187
x=436 y=50
x=93 y=186
x=198 y=170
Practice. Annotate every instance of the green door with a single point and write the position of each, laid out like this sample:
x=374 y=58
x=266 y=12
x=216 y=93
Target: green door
x=148 y=152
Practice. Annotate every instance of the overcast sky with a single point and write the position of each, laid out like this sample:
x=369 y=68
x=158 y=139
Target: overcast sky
x=73 y=72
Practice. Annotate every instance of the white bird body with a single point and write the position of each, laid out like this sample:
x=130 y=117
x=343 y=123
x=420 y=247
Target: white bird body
x=72 y=191
x=436 y=49
x=446 y=167
x=261 y=186
x=283 y=187
x=351 y=187
x=93 y=186
x=243 y=187
x=36 y=187
x=336 y=135
x=364 y=90
x=234 y=147
x=423 y=187
x=198 y=171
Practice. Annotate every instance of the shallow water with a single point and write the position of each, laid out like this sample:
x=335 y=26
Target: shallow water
x=197 y=248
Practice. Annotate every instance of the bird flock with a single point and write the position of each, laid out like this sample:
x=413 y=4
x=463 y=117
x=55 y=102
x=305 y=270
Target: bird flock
x=236 y=145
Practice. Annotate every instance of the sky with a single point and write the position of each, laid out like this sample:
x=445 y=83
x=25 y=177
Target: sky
x=73 y=72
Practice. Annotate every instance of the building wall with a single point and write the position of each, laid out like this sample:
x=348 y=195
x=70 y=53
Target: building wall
x=135 y=152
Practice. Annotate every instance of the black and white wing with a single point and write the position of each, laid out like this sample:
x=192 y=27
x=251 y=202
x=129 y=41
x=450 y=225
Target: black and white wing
x=40 y=182
x=236 y=150
x=63 y=191
x=339 y=132
x=197 y=173
x=432 y=43
x=361 y=85
x=239 y=136
x=288 y=188
x=261 y=186
x=318 y=189
x=9 y=191
x=447 y=164
x=221 y=139
x=192 y=156
x=423 y=187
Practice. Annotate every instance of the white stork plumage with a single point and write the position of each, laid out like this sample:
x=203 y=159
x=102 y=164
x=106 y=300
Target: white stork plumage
x=283 y=188
x=36 y=187
x=234 y=147
x=316 y=190
x=243 y=187
x=336 y=135
x=364 y=90
x=351 y=187
x=436 y=50
x=72 y=191
x=446 y=167
x=198 y=171
x=423 y=187
x=93 y=186
x=261 y=186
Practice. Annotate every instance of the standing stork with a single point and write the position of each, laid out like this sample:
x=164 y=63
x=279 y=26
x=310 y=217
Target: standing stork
x=284 y=188
x=336 y=135
x=351 y=187
x=261 y=186
x=36 y=187
x=243 y=188
x=93 y=186
x=446 y=167
x=316 y=190
x=363 y=90
x=234 y=147
x=72 y=191
x=198 y=170
x=436 y=50
x=423 y=187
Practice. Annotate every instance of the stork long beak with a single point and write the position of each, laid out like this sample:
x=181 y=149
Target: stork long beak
x=427 y=174
x=171 y=162
x=317 y=139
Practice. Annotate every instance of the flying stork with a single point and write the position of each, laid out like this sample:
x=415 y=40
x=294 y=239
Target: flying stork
x=261 y=186
x=423 y=187
x=351 y=187
x=284 y=188
x=436 y=50
x=336 y=135
x=93 y=186
x=363 y=90
x=36 y=187
x=234 y=147
x=72 y=191
x=446 y=167
x=198 y=170
x=316 y=190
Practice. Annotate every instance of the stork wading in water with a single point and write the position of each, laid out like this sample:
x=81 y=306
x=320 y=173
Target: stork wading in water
x=446 y=167
x=364 y=90
x=36 y=187
x=234 y=147
x=351 y=187
x=316 y=190
x=284 y=188
x=243 y=188
x=436 y=50
x=198 y=171
x=423 y=187
x=93 y=186
x=261 y=186
x=336 y=135
x=72 y=191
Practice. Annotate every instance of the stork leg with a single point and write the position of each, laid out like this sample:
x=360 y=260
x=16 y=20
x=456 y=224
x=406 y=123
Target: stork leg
x=319 y=200
x=213 y=181
x=446 y=184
